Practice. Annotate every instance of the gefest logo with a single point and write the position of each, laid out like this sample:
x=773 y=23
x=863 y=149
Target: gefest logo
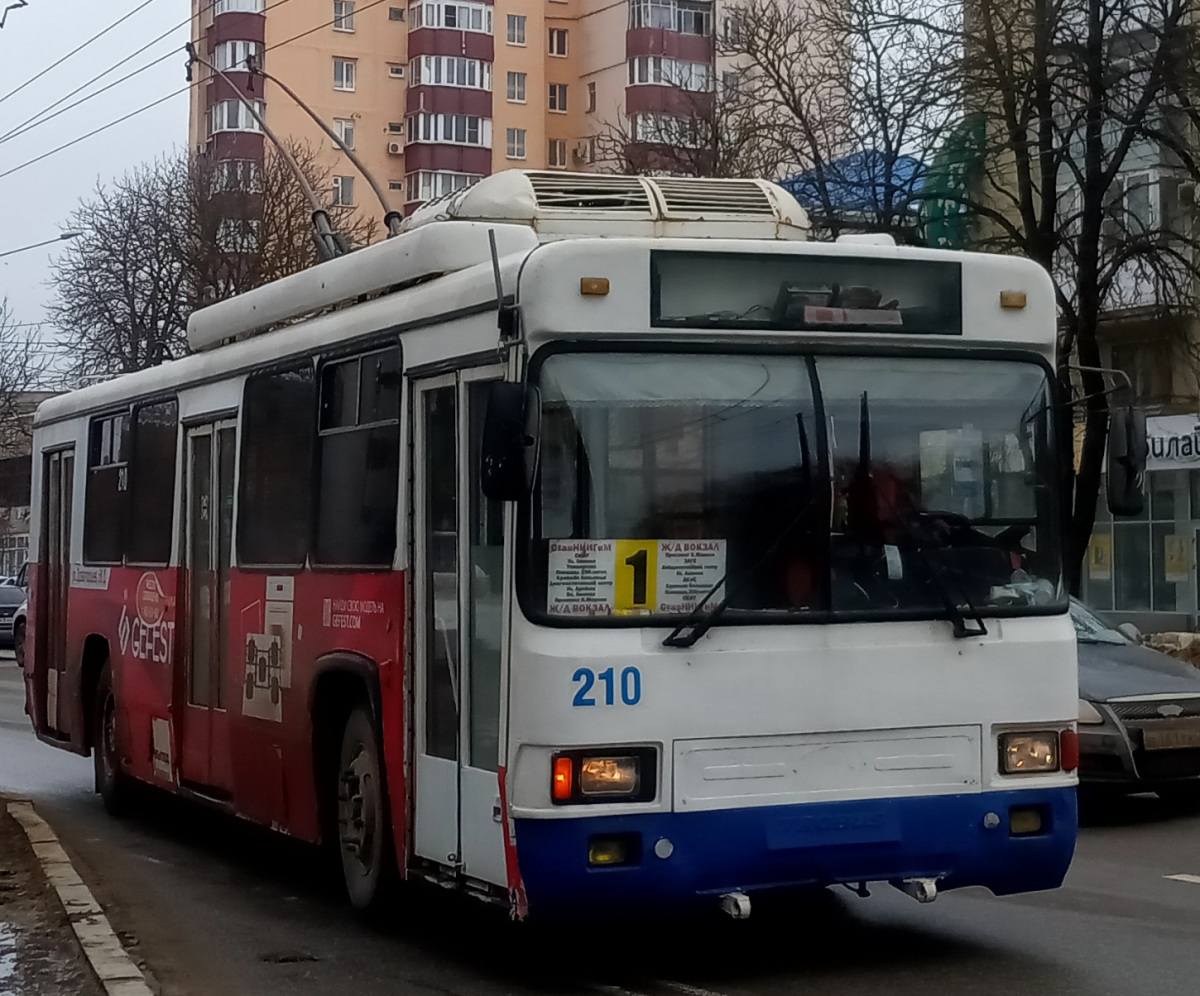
x=148 y=634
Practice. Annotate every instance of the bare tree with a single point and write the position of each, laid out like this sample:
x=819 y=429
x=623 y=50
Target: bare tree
x=121 y=286
x=1062 y=130
x=174 y=235
x=715 y=132
x=21 y=373
x=251 y=223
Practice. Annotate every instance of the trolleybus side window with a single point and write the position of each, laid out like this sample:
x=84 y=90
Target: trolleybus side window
x=152 y=485
x=107 y=485
x=274 y=507
x=358 y=460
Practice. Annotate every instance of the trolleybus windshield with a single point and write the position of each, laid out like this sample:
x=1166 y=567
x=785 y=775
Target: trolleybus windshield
x=791 y=488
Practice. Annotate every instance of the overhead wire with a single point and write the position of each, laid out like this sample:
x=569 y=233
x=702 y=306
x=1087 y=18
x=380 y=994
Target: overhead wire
x=174 y=93
x=43 y=116
x=75 y=51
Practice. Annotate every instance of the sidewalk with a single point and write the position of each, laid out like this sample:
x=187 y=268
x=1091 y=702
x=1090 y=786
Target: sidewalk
x=39 y=955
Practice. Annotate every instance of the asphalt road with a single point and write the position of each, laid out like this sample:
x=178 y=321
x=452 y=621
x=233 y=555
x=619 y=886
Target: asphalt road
x=215 y=907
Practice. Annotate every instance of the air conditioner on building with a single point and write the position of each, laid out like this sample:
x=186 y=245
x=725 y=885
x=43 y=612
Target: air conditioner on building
x=395 y=148
x=396 y=72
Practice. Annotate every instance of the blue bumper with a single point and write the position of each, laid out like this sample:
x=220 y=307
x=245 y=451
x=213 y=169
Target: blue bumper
x=777 y=847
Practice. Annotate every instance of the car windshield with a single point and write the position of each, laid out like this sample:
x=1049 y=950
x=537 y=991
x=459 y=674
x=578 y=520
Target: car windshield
x=802 y=486
x=1090 y=628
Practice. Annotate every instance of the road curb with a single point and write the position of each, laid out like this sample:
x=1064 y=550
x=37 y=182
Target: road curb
x=101 y=946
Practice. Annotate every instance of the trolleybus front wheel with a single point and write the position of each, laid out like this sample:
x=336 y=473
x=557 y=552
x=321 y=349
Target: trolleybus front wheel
x=112 y=784
x=364 y=830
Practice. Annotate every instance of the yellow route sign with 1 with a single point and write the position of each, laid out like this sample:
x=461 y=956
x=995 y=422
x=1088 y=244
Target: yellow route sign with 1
x=636 y=589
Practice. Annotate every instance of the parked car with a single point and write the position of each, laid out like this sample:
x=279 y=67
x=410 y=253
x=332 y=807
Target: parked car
x=19 y=632
x=1139 y=713
x=11 y=598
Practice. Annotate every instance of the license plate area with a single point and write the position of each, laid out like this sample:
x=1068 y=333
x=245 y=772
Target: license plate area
x=1172 y=737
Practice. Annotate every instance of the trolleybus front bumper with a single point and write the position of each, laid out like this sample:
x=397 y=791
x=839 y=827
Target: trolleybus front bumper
x=1009 y=842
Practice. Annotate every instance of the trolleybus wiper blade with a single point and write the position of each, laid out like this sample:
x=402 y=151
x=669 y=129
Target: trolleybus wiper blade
x=698 y=622
x=957 y=619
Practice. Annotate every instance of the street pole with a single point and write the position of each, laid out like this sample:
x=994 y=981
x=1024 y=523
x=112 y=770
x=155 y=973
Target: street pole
x=48 y=242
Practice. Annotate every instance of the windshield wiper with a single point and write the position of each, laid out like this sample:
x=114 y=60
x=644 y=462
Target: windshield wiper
x=957 y=619
x=698 y=622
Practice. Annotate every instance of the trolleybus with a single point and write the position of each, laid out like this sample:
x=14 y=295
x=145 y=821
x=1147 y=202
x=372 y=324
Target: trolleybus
x=597 y=540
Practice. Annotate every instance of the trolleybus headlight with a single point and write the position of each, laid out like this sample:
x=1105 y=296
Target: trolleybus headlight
x=1089 y=714
x=1021 y=753
x=609 y=775
x=583 y=776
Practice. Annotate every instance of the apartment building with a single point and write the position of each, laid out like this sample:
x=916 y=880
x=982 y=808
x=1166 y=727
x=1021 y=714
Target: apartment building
x=433 y=95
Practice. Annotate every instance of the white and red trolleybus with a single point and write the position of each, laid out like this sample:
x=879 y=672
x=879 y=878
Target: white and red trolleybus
x=678 y=564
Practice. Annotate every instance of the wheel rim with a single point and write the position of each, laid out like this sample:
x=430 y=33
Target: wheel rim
x=358 y=809
x=19 y=646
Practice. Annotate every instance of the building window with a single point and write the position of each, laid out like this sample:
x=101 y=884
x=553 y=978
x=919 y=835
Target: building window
x=395 y=184
x=235 y=56
x=460 y=16
x=516 y=29
x=343 y=191
x=665 y=129
x=428 y=184
x=557 y=156
x=733 y=28
x=236 y=175
x=591 y=149
x=558 y=41
x=343 y=15
x=689 y=17
x=275 y=479
x=516 y=88
x=358 y=460
x=396 y=127
x=558 y=97
x=344 y=129
x=107 y=487
x=591 y=98
x=395 y=13
x=236 y=235
x=731 y=83
x=233 y=115
x=344 y=73
x=152 y=482
x=662 y=70
x=516 y=143
x=449 y=70
x=237 y=7
x=452 y=129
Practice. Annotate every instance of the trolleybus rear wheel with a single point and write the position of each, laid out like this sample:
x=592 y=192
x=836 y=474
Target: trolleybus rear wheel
x=364 y=831
x=112 y=784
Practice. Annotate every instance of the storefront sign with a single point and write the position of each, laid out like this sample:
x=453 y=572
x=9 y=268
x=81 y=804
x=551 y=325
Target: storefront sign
x=1173 y=442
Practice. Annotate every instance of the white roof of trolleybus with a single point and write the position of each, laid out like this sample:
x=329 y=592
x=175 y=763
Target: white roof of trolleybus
x=442 y=267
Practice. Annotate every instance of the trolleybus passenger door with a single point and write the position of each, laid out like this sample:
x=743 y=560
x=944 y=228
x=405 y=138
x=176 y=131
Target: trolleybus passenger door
x=54 y=585
x=209 y=516
x=457 y=623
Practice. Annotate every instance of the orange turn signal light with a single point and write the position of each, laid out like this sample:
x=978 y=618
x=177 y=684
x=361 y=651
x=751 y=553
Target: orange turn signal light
x=563 y=781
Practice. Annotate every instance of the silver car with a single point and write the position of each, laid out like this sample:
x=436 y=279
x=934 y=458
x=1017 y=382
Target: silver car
x=11 y=598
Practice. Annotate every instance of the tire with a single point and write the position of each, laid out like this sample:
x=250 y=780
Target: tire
x=19 y=643
x=112 y=784
x=363 y=831
x=1185 y=797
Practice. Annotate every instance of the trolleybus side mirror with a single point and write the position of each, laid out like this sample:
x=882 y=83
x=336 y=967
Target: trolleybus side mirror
x=509 y=449
x=1126 y=468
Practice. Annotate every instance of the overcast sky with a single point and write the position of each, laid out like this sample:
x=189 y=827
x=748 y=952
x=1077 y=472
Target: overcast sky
x=38 y=200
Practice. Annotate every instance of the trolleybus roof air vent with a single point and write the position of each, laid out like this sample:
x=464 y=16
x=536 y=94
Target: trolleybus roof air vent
x=563 y=205
x=386 y=266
